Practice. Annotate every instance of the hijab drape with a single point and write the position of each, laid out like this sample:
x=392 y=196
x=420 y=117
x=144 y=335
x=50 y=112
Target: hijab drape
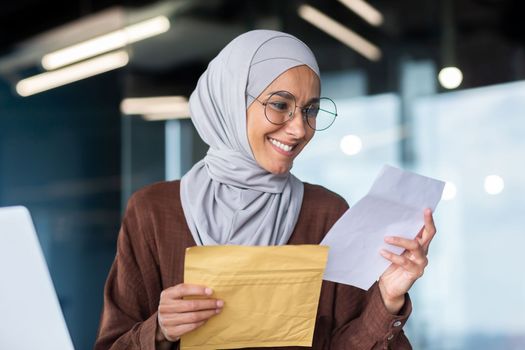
x=227 y=197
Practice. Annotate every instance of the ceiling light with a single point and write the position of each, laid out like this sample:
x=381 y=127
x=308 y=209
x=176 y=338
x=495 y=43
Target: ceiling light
x=169 y=116
x=105 y=43
x=157 y=108
x=86 y=69
x=340 y=32
x=365 y=10
x=450 y=77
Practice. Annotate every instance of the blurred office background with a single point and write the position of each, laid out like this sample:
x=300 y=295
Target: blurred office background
x=93 y=105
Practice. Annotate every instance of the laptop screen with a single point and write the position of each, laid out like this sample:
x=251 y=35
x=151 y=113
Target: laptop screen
x=31 y=314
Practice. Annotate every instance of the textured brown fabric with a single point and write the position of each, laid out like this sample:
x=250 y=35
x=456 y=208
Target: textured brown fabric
x=150 y=257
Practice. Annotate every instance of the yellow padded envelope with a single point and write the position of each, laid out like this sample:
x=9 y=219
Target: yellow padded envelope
x=270 y=293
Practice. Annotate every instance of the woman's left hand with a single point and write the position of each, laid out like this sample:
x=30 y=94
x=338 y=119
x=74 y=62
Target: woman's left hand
x=406 y=268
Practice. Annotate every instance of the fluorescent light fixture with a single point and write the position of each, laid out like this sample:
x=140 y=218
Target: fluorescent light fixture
x=340 y=32
x=365 y=11
x=157 y=108
x=86 y=69
x=105 y=43
x=170 y=116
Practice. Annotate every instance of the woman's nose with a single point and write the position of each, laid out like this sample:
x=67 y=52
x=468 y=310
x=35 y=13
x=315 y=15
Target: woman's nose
x=297 y=125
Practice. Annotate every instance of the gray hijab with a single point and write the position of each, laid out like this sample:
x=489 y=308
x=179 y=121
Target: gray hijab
x=227 y=198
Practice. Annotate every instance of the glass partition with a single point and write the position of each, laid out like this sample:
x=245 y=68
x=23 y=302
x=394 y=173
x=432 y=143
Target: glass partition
x=472 y=294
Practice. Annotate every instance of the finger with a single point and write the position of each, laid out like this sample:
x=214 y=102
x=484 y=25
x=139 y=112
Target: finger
x=403 y=261
x=429 y=229
x=180 y=305
x=189 y=317
x=409 y=244
x=183 y=289
x=173 y=334
x=419 y=235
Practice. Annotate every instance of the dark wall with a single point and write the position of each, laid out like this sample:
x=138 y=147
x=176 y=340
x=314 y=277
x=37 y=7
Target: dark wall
x=60 y=157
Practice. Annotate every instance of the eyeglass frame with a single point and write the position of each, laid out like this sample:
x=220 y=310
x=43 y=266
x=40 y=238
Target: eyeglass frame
x=292 y=114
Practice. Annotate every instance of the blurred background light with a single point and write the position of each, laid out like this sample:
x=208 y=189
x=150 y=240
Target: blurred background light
x=351 y=145
x=365 y=11
x=340 y=32
x=105 y=43
x=494 y=184
x=66 y=75
x=450 y=77
x=157 y=108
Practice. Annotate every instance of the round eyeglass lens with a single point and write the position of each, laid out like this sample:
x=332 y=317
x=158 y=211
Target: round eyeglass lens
x=280 y=107
x=322 y=115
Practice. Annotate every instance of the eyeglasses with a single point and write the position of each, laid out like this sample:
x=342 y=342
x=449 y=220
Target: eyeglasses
x=280 y=107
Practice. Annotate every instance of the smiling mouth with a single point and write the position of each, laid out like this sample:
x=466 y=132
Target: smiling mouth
x=282 y=146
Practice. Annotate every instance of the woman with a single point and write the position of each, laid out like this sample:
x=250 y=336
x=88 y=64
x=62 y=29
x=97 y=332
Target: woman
x=257 y=107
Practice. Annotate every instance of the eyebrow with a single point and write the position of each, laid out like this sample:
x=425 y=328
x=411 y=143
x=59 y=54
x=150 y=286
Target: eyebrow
x=282 y=94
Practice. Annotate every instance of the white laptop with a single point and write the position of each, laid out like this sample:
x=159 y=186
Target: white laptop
x=30 y=315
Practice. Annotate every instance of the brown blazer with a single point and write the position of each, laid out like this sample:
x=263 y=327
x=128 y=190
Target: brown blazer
x=150 y=258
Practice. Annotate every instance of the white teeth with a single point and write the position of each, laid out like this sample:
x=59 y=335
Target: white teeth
x=284 y=147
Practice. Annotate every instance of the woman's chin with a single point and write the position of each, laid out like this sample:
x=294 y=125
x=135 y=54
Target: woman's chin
x=277 y=169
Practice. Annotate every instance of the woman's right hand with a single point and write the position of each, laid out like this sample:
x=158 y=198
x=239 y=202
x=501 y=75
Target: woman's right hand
x=177 y=316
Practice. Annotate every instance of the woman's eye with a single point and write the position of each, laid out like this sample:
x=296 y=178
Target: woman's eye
x=312 y=111
x=279 y=106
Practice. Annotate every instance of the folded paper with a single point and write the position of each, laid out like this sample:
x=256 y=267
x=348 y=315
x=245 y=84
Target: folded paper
x=393 y=207
x=271 y=294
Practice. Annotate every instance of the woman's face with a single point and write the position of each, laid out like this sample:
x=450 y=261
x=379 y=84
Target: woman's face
x=263 y=136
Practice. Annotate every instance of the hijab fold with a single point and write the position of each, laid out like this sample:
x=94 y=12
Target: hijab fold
x=227 y=197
